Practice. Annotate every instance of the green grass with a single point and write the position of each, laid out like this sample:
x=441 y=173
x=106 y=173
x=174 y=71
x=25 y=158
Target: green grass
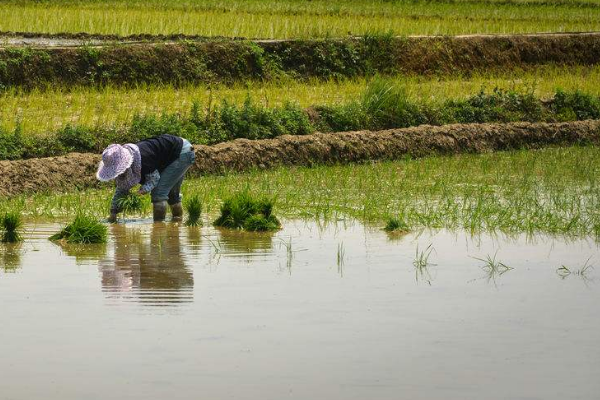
x=552 y=191
x=193 y=207
x=43 y=111
x=243 y=211
x=295 y=18
x=396 y=225
x=131 y=204
x=383 y=105
x=11 y=225
x=83 y=230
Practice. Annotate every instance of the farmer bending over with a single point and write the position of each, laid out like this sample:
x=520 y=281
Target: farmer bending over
x=158 y=164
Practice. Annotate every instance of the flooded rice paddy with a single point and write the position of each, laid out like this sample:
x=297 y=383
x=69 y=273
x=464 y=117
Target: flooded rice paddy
x=340 y=311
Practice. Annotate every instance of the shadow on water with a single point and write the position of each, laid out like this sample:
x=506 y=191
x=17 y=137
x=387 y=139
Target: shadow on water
x=151 y=271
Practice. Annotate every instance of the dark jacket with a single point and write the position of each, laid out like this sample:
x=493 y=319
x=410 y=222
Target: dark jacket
x=158 y=152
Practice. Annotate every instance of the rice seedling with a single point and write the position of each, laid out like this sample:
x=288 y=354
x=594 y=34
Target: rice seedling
x=293 y=19
x=493 y=268
x=11 y=227
x=114 y=108
x=131 y=204
x=241 y=211
x=548 y=191
x=421 y=260
x=422 y=264
x=563 y=271
x=396 y=225
x=289 y=252
x=84 y=230
x=193 y=206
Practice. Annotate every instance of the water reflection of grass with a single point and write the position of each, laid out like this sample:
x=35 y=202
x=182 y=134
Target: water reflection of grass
x=421 y=263
x=341 y=258
x=582 y=272
x=551 y=191
x=493 y=268
x=11 y=257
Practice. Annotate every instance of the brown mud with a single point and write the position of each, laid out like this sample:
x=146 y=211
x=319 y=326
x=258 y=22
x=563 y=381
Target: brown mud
x=77 y=171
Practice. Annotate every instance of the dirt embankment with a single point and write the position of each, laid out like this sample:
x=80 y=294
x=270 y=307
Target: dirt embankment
x=75 y=170
x=221 y=60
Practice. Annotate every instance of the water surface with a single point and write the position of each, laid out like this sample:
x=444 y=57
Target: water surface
x=322 y=312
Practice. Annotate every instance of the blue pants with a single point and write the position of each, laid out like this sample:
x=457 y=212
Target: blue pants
x=169 y=185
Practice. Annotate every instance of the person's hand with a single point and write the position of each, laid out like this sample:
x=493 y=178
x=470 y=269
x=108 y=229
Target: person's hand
x=141 y=192
x=113 y=218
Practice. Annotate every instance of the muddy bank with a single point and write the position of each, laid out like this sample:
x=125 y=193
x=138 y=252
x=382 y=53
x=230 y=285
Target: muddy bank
x=224 y=60
x=77 y=170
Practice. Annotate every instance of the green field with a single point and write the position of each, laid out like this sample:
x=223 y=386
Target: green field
x=44 y=111
x=551 y=191
x=299 y=19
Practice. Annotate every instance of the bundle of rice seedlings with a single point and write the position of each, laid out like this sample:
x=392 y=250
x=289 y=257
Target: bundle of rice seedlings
x=83 y=229
x=241 y=211
x=11 y=227
x=193 y=206
x=396 y=225
x=132 y=203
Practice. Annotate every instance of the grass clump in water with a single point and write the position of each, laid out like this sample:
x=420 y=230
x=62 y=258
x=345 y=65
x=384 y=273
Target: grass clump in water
x=194 y=209
x=83 y=230
x=396 y=225
x=241 y=211
x=11 y=227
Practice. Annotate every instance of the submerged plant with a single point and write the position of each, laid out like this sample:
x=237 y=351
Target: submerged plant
x=83 y=229
x=241 y=211
x=396 y=225
x=193 y=206
x=11 y=227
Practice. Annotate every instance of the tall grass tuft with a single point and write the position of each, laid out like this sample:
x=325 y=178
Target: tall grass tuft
x=241 y=211
x=11 y=227
x=83 y=230
x=193 y=206
x=386 y=105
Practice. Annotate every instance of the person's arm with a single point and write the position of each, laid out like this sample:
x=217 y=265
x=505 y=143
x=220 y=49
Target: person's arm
x=114 y=205
x=150 y=182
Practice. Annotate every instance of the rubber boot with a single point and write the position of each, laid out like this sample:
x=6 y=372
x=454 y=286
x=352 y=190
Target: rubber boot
x=159 y=210
x=177 y=211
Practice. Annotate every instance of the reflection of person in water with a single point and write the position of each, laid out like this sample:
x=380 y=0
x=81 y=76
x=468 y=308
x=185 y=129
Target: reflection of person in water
x=154 y=270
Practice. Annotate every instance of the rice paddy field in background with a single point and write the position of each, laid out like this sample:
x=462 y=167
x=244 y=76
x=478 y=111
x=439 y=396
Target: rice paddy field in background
x=43 y=111
x=299 y=19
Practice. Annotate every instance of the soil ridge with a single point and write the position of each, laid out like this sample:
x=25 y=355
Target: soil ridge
x=228 y=61
x=77 y=170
